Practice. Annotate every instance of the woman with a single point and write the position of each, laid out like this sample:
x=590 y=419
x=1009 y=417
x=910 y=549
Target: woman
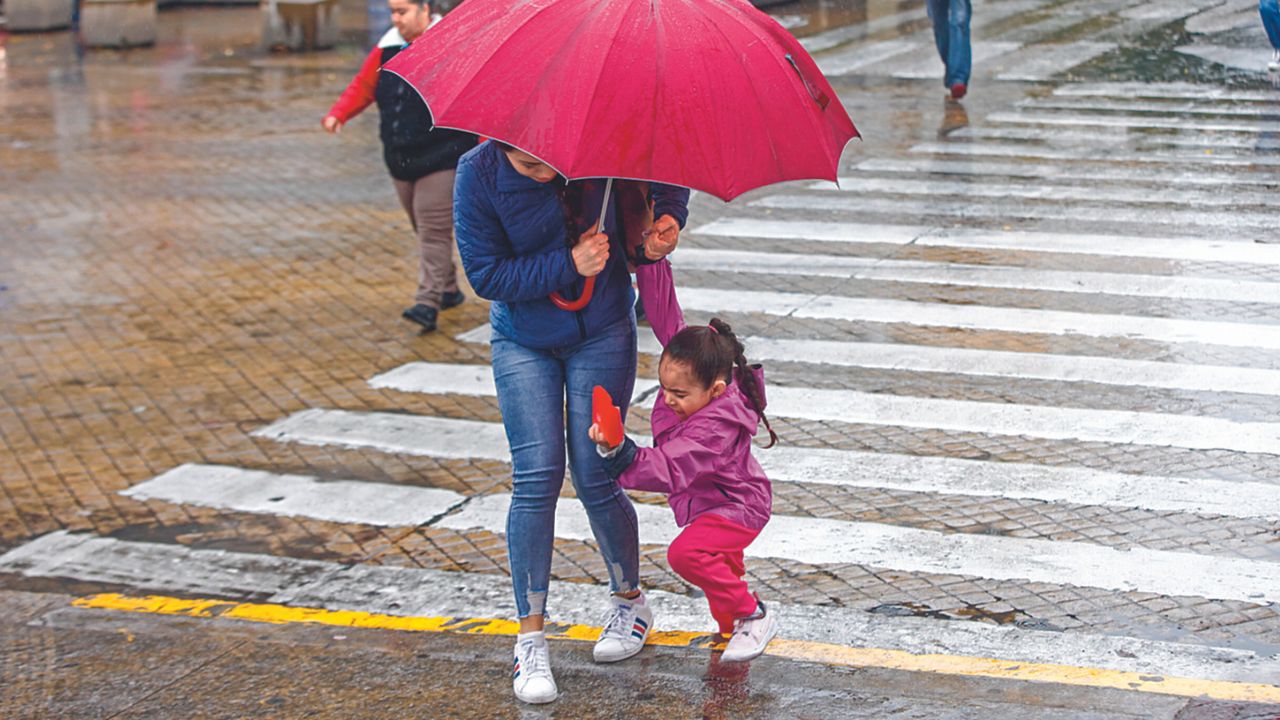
x=420 y=157
x=523 y=233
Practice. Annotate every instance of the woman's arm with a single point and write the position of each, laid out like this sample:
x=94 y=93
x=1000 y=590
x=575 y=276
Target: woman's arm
x=658 y=295
x=670 y=200
x=495 y=272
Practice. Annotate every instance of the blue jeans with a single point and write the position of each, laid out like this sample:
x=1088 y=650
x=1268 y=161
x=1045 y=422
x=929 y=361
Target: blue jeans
x=1270 y=12
x=532 y=387
x=951 y=34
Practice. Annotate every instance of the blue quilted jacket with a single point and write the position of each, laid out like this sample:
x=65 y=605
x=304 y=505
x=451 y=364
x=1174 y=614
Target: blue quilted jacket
x=511 y=236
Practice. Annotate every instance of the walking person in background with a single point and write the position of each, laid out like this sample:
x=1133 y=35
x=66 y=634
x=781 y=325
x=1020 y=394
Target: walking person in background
x=422 y=159
x=707 y=411
x=951 y=34
x=1270 y=12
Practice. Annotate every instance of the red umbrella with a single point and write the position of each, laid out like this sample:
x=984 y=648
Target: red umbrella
x=709 y=94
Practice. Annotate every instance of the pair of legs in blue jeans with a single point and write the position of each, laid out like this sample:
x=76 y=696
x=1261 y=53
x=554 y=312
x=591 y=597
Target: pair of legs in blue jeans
x=951 y=34
x=1270 y=12
x=534 y=386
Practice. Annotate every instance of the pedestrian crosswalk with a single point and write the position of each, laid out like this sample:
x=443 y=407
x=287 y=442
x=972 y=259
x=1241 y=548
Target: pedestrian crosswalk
x=1179 y=257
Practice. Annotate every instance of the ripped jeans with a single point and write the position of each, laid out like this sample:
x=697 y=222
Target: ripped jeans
x=532 y=387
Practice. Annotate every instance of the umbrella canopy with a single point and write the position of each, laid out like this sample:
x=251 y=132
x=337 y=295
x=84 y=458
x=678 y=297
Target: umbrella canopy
x=709 y=94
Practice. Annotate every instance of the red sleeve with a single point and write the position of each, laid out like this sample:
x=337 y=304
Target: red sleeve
x=359 y=93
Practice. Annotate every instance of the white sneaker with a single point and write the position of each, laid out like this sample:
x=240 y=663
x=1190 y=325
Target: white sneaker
x=1274 y=64
x=531 y=674
x=625 y=631
x=750 y=636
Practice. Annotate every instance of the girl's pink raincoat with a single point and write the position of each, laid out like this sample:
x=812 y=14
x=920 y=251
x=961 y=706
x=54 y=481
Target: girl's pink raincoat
x=704 y=464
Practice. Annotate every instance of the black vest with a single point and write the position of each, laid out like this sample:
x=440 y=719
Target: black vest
x=411 y=145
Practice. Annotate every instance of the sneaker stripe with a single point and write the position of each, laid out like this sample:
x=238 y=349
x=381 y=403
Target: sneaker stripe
x=643 y=625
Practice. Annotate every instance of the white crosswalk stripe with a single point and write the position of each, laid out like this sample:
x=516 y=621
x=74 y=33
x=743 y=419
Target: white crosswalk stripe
x=1149 y=157
x=1199 y=125
x=1219 y=249
x=812 y=465
x=818 y=540
x=1121 y=137
x=991 y=363
x=839 y=63
x=257 y=491
x=1176 y=91
x=978 y=317
x=1126 y=106
x=1061 y=171
x=1043 y=191
x=1058 y=423
x=1042 y=62
x=988 y=276
x=926 y=65
x=1258 y=224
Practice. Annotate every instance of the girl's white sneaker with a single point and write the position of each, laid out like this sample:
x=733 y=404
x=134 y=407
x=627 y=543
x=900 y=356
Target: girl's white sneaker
x=531 y=674
x=751 y=635
x=1274 y=65
x=625 y=631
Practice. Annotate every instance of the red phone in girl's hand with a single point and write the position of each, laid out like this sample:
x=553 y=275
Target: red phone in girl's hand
x=606 y=416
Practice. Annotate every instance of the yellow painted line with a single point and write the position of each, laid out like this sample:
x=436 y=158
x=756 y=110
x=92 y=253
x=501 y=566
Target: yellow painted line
x=815 y=652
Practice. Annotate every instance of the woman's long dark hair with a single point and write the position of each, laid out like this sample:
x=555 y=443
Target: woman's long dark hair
x=712 y=352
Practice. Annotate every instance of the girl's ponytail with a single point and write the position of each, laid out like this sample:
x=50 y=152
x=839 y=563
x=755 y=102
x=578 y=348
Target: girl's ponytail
x=746 y=377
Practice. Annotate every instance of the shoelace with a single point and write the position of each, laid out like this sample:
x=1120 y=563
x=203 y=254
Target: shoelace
x=743 y=626
x=619 y=622
x=533 y=659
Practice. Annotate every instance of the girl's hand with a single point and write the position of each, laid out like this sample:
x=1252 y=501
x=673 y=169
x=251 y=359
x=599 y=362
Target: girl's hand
x=332 y=125
x=597 y=437
x=591 y=253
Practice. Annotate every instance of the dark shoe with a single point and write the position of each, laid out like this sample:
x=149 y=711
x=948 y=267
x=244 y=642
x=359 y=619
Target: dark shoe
x=958 y=91
x=424 y=315
x=453 y=299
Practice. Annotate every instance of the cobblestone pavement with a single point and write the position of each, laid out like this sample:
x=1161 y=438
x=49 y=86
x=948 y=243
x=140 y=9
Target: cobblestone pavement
x=187 y=259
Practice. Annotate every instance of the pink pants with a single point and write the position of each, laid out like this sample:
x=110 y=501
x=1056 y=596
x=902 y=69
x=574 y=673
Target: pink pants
x=708 y=554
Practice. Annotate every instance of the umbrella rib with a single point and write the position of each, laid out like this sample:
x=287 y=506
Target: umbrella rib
x=599 y=69
x=773 y=148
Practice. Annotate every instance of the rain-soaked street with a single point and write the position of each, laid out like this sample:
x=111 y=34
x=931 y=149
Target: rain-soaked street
x=1024 y=361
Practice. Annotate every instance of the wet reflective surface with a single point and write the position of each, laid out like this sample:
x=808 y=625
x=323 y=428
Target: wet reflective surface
x=186 y=258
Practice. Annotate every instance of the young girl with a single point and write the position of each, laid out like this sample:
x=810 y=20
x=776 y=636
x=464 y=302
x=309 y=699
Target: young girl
x=708 y=409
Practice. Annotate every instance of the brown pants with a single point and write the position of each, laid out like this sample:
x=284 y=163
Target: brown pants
x=429 y=203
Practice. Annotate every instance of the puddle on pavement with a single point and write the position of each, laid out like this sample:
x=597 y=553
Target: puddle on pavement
x=968 y=612
x=1151 y=57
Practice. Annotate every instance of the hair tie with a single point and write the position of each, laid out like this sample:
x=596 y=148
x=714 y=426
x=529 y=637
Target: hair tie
x=713 y=328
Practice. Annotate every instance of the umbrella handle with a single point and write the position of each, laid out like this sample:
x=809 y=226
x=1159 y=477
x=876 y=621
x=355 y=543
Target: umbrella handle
x=575 y=305
x=589 y=286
